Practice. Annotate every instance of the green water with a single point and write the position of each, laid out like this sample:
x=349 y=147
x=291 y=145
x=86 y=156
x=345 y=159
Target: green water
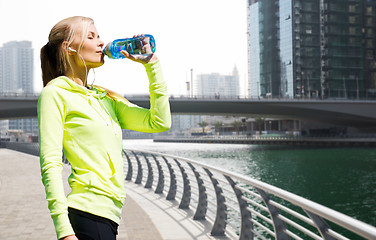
x=343 y=179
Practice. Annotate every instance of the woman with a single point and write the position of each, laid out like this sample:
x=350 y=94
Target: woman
x=86 y=122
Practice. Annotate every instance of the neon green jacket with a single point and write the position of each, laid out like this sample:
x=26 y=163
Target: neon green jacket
x=86 y=125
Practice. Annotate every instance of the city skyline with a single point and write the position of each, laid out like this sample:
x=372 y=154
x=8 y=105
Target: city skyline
x=16 y=67
x=16 y=75
x=217 y=85
x=200 y=34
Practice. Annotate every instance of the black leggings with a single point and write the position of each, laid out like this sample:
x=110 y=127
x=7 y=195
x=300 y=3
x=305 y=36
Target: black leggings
x=90 y=227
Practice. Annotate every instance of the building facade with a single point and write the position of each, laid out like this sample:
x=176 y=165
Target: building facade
x=312 y=48
x=16 y=77
x=16 y=67
x=217 y=85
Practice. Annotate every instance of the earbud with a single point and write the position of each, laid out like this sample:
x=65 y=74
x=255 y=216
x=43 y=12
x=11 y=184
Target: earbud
x=70 y=49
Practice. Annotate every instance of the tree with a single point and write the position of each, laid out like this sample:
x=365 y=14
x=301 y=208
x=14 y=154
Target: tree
x=237 y=125
x=203 y=124
x=218 y=126
x=259 y=121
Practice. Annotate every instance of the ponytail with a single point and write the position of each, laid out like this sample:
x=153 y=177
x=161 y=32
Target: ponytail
x=51 y=67
x=54 y=60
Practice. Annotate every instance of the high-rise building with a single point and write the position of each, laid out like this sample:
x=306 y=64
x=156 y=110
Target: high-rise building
x=312 y=48
x=16 y=76
x=217 y=85
x=16 y=67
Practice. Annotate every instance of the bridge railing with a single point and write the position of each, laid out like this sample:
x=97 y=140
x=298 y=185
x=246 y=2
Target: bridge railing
x=19 y=95
x=237 y=206
x=252 y=98
x=29 y=148
x=209 y=97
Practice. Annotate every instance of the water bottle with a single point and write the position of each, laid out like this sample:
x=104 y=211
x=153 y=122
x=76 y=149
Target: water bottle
x=131 y=45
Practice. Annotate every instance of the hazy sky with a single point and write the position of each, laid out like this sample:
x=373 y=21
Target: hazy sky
x=205 y=35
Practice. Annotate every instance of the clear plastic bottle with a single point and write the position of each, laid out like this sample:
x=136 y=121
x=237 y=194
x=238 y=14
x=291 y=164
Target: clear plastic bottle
x=131 y=45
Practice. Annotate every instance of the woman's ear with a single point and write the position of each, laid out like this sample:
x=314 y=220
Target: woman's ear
x=67 y=49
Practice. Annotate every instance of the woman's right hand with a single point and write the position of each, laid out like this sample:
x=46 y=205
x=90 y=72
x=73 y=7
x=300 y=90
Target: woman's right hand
x=146 y=57
x=70 y=237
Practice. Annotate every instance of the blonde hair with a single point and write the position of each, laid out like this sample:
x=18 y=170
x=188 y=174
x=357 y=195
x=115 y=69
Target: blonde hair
x=54 y=58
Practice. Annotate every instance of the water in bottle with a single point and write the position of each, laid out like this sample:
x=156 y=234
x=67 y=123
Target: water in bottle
x=131 y=45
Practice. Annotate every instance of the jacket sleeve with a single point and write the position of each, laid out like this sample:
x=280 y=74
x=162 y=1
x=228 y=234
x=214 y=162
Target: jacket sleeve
x=51 y=127
x=155 y=119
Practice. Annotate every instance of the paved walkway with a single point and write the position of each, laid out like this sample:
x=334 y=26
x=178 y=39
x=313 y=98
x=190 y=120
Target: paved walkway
x=24 y=213
x=23 y=206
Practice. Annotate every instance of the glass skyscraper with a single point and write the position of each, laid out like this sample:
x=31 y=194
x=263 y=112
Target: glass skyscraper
x=312 y=48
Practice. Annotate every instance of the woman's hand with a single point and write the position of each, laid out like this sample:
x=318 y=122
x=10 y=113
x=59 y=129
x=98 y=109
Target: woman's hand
x=146 y=57
x=70 y=237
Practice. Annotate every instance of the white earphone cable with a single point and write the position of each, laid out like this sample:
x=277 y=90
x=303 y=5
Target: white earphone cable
x=91 y=86
x=86 y=72
x=85 y=68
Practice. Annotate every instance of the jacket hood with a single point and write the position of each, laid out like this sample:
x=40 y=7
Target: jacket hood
x=67 y=84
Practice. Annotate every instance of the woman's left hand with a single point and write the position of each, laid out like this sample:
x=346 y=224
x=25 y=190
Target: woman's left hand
x=146 y=57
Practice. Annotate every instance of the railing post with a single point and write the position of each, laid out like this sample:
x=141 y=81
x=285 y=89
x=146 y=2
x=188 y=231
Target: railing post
x=149 y=180
x=139 y=169
x=172 y=190
x=321 y=225
x=246 y=223
x=219 y=226
x=186 y=198
x=130 y=168
x=278 y=225
x=202 y=205
x=160 y=184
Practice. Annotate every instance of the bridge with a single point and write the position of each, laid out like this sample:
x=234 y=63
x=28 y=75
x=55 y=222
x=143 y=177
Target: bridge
x=360 y=114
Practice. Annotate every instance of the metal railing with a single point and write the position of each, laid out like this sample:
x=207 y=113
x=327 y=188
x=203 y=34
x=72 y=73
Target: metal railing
x=209 y=97
x=233 y=205
x=27 y=147
x=237 y=206
x=19 y=95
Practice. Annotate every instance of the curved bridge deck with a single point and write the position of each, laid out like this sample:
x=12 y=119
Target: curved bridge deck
x=355 y=113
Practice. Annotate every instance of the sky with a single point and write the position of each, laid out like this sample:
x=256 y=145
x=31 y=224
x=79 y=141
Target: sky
x=208 y=36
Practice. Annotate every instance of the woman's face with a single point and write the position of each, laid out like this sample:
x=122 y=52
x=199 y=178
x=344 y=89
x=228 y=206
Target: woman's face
x=91 y=50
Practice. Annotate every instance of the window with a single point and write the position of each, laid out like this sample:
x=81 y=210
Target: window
x=369 y=10
x=352 y=19
x=352 y=8
x=307 y=5
x=369 y=21
x=370 y=32
x=369 y=54
x=353 y=40
x=369 y=43
x=352 y=30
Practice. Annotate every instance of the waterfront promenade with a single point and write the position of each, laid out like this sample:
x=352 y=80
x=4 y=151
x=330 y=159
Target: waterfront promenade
x=24 y=213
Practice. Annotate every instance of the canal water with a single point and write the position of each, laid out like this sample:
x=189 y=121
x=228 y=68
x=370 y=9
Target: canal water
x=343 y=179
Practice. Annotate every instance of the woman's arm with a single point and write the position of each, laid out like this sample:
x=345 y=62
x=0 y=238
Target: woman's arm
x=51 y=126
x=155 y=119
x=71 y=237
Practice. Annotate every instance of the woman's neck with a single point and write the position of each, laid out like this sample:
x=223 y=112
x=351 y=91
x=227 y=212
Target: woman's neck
x=79 y=77
x=77 y=80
